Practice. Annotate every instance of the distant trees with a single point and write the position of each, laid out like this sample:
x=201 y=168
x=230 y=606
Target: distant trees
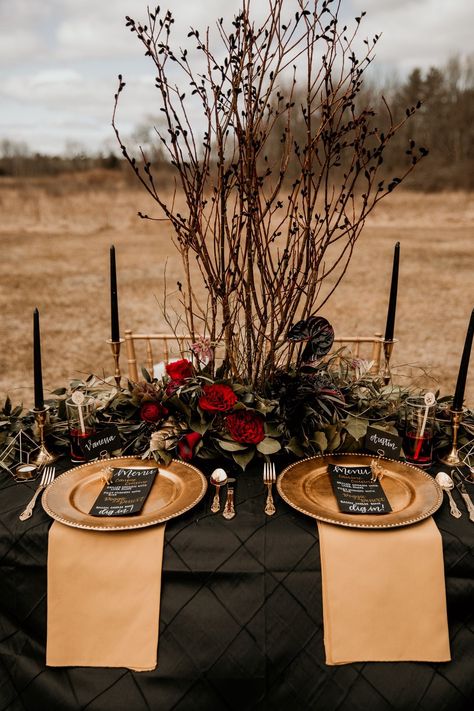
x=19 y=161
x=444 y=125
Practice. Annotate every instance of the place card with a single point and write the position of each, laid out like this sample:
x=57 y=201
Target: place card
x=101 y=444
x=356 y=491
x=125 y=493
x=385 y=444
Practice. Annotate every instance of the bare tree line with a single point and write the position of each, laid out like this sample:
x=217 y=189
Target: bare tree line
x=444 y=125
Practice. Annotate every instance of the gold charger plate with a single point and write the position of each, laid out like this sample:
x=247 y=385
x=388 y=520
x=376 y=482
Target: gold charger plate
x=177 y=488
x=412 y=493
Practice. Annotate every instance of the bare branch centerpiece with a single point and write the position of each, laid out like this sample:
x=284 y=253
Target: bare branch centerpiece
x=279 y=164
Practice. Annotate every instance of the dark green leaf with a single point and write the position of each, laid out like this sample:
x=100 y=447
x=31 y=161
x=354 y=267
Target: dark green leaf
x=228 y=446
x=269 y=446
x=243 y=458
x=146 y=375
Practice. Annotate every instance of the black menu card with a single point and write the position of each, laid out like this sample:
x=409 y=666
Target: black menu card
x=125 y=493
x=356 y=492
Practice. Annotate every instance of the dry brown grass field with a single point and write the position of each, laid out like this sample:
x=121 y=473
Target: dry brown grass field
x=55 y=235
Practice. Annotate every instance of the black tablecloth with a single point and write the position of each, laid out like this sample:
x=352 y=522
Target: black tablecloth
x=241 y=621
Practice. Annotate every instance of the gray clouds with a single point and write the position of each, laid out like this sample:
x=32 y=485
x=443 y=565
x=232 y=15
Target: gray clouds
x=59 y=59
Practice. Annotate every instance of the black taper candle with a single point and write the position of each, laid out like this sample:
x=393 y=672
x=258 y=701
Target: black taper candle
x=115 y=334
x=463 y=368
x=38 y=373
x=392 y=304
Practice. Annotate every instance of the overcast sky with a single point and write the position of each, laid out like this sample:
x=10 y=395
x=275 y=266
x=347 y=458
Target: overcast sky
x=59 y=59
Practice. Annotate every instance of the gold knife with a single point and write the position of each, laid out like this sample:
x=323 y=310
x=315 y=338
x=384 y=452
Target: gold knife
x=229 y=509
x=461 y=487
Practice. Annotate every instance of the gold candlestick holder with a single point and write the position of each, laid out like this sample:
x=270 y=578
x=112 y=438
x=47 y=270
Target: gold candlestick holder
x=387 y=352
x=452 y=459
x=115 y=346
x=44 y=456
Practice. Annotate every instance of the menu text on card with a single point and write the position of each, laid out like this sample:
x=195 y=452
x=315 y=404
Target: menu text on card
x=356 y=491
x=125 y=493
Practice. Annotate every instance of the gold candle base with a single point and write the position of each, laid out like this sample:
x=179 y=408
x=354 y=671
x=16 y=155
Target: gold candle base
x=452 y=459
x=387 y=352
x=44 y=456
x=115 y=346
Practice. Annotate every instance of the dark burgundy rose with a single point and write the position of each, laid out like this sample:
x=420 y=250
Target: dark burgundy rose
x=187 y=445
x=171 y=387
x=245 y=426
x=180 y=370
x=217 y=398
x=152 y=412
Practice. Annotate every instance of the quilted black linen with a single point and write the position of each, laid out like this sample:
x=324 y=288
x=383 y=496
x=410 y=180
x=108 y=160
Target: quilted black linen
x=241 y=621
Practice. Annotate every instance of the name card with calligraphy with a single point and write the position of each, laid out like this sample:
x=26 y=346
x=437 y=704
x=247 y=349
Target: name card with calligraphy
x=385 y=444
x=102 y=444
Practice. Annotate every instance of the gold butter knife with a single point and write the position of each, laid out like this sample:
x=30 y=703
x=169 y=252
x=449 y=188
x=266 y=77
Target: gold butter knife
x=229 y=510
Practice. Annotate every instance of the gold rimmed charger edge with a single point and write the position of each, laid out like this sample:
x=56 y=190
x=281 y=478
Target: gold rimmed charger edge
x=140 y=520
x=301 y=503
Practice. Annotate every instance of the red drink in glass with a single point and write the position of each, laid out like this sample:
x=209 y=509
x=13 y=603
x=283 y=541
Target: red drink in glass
x=81 y=423
x=419 y=429
x=418 y=450
x=77 y=437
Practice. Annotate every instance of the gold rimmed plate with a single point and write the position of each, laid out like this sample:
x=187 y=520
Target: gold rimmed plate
x=412 y=493
x=177 y=488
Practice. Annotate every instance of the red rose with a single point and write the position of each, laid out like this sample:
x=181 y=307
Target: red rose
x=217 y=398
x=152 y=412
x=171 y=387
x=245 y=426
x=187 y=445
x=180 y=370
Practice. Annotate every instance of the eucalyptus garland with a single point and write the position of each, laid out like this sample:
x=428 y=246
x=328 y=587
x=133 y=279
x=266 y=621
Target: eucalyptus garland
x=316 y=409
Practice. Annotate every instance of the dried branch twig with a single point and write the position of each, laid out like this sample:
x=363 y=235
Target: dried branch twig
x=283 y=101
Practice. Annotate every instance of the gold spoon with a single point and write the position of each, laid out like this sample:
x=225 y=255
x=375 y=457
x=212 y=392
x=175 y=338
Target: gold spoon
x=218 y=478
x=446 y=483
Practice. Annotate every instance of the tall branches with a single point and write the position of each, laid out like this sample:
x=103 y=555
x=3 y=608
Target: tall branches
x=276 y=99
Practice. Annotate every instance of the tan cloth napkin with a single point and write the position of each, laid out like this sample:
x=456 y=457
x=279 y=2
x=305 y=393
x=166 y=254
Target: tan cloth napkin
x=104 y=597
x=384 y=596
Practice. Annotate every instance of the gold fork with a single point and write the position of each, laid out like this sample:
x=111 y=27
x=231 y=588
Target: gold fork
x=269 y=478
x=46 y=479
